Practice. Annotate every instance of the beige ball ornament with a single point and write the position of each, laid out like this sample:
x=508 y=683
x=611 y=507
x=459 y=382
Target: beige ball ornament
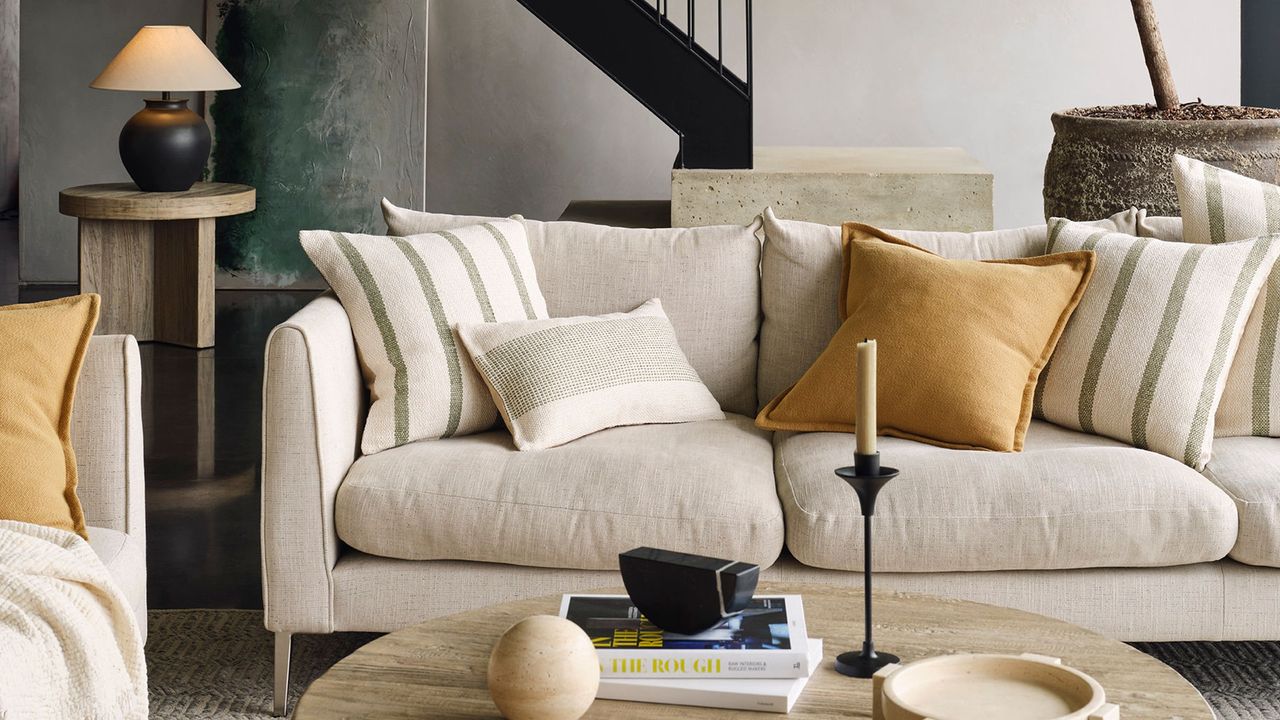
x=543 y=668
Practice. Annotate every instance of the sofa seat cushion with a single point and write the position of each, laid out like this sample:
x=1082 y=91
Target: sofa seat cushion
x=705 y=487
x=1248 y=469
x=126 y=559
x=1069 y=500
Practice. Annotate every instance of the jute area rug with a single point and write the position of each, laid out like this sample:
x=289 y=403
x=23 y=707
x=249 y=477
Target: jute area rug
x=217 y=664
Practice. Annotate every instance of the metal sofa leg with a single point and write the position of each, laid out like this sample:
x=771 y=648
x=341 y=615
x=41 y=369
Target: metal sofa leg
x=280 y=691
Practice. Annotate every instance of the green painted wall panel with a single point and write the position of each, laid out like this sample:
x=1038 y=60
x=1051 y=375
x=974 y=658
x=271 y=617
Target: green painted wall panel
x=330 y=118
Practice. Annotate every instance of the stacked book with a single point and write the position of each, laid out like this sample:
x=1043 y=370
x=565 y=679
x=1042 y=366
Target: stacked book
x=758 y=660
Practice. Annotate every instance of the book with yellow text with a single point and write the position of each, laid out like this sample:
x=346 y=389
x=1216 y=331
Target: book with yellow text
x=767 y=640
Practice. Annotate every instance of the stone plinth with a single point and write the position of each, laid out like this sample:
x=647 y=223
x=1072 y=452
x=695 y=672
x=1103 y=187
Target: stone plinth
x=894 y=187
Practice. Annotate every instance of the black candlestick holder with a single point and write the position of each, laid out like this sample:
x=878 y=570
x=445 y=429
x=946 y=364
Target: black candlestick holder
x=866 y=477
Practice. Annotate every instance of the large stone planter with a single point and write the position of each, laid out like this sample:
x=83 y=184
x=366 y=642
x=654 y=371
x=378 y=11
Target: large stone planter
x=1100 y=166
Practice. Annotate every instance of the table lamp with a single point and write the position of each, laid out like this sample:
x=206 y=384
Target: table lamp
x=165 y=146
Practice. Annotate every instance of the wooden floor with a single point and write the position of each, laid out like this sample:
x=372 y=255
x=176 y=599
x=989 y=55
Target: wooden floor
x=201 y=421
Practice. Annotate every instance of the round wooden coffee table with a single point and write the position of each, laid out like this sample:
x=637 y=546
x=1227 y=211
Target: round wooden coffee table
x=437 y=669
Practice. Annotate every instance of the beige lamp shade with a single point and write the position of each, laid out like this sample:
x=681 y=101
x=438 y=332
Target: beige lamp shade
x=165 y=58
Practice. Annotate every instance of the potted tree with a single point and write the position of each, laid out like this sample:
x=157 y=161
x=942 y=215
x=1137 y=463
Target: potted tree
x=1108 y=158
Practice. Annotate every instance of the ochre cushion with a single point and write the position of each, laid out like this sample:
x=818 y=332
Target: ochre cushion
x=704 y=487
x=800 y=282
x=1069 y=500
x=43 y=345
x=961 y=343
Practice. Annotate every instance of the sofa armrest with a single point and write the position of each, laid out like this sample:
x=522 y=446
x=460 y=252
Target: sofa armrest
x=313 y=401
x=106 y=433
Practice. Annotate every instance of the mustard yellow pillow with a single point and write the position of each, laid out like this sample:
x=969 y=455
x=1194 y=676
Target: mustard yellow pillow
x=43 y=345
x=960 y=343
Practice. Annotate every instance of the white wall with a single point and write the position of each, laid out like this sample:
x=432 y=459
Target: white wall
x=518 y=122
x=69 y=132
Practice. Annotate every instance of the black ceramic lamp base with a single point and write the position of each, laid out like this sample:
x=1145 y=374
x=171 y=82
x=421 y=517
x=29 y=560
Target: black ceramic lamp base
x=856 y=664
x=165 y=146
x=867 y=478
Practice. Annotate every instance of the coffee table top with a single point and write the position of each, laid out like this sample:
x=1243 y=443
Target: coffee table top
x=437 y=669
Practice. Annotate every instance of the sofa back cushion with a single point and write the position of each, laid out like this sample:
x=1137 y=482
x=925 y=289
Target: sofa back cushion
x=707 y=279
x=800 y=283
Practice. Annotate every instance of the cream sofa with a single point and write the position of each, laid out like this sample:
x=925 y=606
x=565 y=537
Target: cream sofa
x=1124 y=541
x=106 y=432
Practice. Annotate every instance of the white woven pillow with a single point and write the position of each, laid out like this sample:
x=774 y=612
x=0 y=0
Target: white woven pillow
x=1217 y=207
x=1145 y=356
x=404 y=295
x=557 y=380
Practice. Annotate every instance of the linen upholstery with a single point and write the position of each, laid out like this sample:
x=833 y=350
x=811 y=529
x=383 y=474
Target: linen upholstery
x=313 y=404
x=313 y=583
x=1220 y=206
x=125 y=557
x=559 y=379
x=106 y=431
x=800 y=282
x=404 y=295
x=703 y=487
x=1068 y=500
x=995 y=322
x=1145 y=357
x=708 y=279
x=1223 y=600
x=1248 y=469
x=43 y=345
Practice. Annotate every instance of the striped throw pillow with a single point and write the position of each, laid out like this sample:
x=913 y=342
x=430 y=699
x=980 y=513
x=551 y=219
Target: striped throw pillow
x=1218 y=207
x=404 y=295
x=557 y=380
x=1145 y=356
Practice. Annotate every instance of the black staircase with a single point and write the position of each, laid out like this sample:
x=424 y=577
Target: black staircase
x=663 y=65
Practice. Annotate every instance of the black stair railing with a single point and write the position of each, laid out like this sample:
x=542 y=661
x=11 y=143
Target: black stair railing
x=642 y=47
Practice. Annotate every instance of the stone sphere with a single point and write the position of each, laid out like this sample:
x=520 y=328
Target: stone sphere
x=543 y=668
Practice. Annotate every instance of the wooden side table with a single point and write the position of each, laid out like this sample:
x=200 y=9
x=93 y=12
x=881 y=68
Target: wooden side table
x=150 y=256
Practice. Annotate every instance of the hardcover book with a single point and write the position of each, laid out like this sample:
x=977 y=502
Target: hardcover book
x=767 y=640
x=761 y=695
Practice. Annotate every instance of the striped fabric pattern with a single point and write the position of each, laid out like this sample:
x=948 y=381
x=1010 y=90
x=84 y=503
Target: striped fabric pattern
x=1219 y=206
x=557 y=380
x=1145 y=356
x=404 y=295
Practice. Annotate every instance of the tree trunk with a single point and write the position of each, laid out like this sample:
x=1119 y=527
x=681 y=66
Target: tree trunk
x=1153 y=50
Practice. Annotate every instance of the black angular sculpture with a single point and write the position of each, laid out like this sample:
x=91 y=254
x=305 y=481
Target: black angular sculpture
x=683 y=593
x=866 y=477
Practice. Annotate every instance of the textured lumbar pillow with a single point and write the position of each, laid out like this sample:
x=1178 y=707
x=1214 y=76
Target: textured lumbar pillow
x=557 y=380
x=1145 y=357
x=961 y=343
x=43 y=345
x=1217 y=207
x=404 y=295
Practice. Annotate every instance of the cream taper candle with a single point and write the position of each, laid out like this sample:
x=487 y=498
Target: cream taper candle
x=866 y=420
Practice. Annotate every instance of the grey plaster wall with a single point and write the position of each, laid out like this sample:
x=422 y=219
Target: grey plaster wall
x=517 y=122
x=68 y=131
x=8 y=104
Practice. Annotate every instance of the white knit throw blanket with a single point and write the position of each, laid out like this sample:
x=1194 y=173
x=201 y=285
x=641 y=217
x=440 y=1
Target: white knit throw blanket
x=69 y=644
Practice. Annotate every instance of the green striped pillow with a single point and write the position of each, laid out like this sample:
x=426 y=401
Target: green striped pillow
x=557 y=380
x=1145 y=356
x=1217 y=207
x=404 y=295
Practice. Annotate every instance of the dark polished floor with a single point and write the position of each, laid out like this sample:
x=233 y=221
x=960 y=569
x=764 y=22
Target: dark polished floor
x=201 y=413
